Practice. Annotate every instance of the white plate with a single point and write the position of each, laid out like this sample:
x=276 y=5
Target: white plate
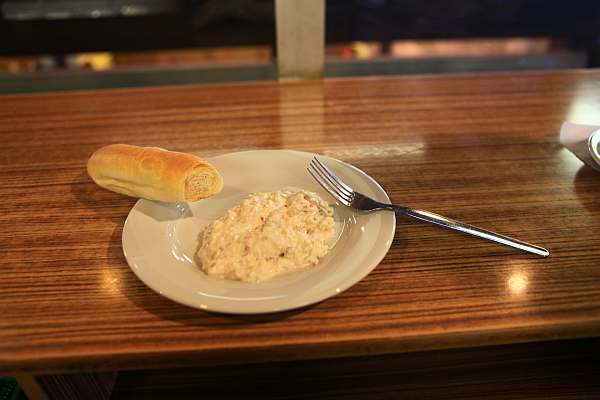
x=160 y=239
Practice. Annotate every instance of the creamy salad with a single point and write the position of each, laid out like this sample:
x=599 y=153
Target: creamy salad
x=268 y=234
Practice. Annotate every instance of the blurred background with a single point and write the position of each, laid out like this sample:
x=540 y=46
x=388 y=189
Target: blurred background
x=69 y=45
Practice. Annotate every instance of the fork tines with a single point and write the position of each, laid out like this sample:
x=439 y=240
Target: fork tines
x=330 y=182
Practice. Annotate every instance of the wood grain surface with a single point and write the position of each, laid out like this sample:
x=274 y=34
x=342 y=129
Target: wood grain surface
x=479 y=148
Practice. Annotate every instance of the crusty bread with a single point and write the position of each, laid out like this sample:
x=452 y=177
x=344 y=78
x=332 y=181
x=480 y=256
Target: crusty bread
x=153 y=173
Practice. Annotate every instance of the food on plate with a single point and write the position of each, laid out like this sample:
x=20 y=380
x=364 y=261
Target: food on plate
x=153 y=173
x=268 y=234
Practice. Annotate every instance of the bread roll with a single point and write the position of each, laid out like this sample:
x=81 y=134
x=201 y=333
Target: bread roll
x=153 y=173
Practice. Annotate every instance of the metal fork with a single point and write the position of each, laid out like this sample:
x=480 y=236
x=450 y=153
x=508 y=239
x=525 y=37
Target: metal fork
x=349 y=197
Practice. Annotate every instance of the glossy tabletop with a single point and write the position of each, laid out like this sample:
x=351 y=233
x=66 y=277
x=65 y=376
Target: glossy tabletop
x=479 y=148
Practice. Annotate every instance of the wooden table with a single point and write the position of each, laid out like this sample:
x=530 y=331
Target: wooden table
x=480 y=148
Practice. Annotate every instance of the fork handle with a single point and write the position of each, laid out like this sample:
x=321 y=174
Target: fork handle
x=470 y=229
